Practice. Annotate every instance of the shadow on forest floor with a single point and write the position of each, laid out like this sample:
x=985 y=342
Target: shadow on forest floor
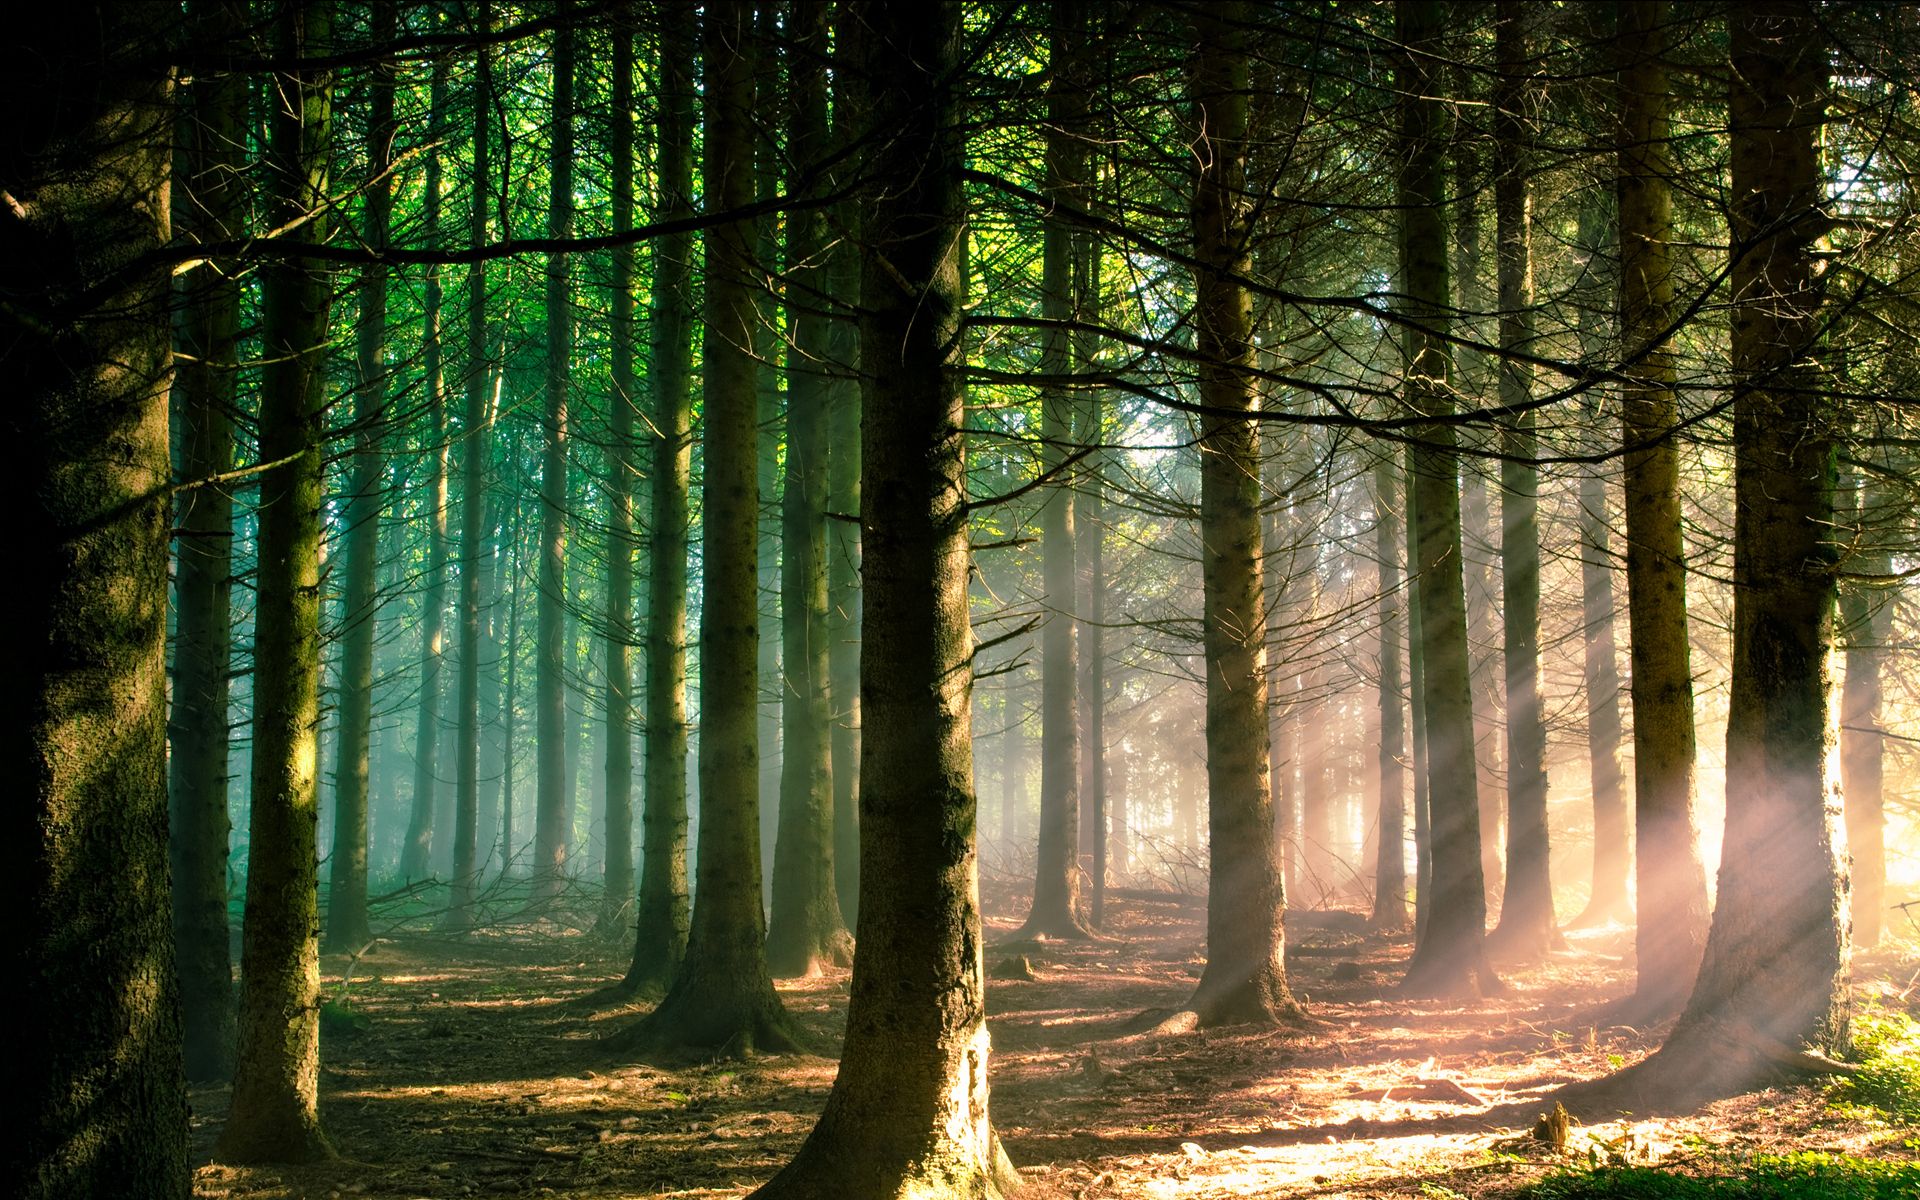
x=476 y=1070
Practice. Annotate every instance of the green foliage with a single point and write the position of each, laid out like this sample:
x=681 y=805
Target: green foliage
x=1887 y=1048
x=1767 y=1177
x=339 y=1018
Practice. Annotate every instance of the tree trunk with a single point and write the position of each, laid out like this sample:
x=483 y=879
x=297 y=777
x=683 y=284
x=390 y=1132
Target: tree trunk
x=553 y=816
x=1450 y=956
x=908 y=1112
x=1527 y=930
x=722 y=999
x=213 y=117
x=661 y=938
x=1417 y=715
x=843 y=532
x=95 y=1067
x=806 y=931
x=1056 y=883
x=1245 y=979
x=347 y=929
x=617 y=901
x=416 y=857
x=1866 y=613
x=1670 y=884
x=1607 y=899
x=1772 y=978
x=1390 y=867
x=274 y=1115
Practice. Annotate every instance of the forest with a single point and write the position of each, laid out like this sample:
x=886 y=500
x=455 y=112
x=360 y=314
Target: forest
x=963 y=598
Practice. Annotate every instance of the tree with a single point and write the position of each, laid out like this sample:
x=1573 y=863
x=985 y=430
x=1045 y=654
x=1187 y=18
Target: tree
x=1056 y=884
x=661 y=938
x=722 y=999
x=1450 y=955
x=908 y=1113
x=1245 y=977
x=551 y=802
x=1526 y=928
x=97 y=1065
x=1772 y=978
x=807 y=930
x=347 y=927
x=616 y=905
x=211 y=184
x=1390 y=871
x=1669 y=883
x=275 y=1113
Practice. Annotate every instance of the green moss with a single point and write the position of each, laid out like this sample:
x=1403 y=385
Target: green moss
x=1887 y=1048
x=1766 y=1177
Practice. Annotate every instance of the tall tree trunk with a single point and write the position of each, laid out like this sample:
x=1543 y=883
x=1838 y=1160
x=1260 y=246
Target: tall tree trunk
x=616 y=906
x=806 y=929
x=1417 y=714
x=1527 y=930
x=1390 y=867
x=1772 y=978
x=1056 y=883
x=347 y=927
x=95 y=1067
x=1866 y=614
x=1607 y=899
x=1669 y=882
x=722 y=999
x=908 y=1112
x=1450 y=956
x=275 y=1114
x=213 y=118
x=416 y=857
x=843 y=530
x=553 y=817
x=1245 y=978
x=661 y=938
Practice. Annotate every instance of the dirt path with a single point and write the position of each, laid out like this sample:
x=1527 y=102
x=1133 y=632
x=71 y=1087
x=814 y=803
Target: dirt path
x=475 y=1070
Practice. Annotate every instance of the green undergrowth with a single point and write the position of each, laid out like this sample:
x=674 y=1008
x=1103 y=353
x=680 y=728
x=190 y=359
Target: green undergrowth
x=1886 y=1048
x=1804 y=1176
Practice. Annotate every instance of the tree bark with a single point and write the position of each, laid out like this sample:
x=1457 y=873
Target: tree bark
x=1772 y=978
x=1669 y=882
x=1245 y=979
x=1607 y=899
x=553 y=816
x=806 y=931
x=1056 y=883
x=95 y=1069
x=1390 y=868
x=662 y=917
x=213 y=117
x=274 y=1115
x=347 y=928
x=843 y=534
x=617 y=902
x=722 y=999
x=1450 y=956
x=1527 y=929
x=1866 y=613
x=908 y=1113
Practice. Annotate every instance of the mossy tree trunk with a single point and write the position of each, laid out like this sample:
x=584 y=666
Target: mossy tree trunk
x=908 y=1114
x=95 y=1069
x=275 y=1114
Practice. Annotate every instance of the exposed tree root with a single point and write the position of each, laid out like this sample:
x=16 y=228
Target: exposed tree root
x=1710 y=1061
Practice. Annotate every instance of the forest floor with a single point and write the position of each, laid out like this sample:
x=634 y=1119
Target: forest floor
x=474 y=1067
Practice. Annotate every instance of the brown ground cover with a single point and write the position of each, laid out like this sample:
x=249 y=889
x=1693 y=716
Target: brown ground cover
x=474 y=1067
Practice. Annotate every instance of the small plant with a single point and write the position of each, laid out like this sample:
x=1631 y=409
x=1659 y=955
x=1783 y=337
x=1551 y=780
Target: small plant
x=1886 y=1045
